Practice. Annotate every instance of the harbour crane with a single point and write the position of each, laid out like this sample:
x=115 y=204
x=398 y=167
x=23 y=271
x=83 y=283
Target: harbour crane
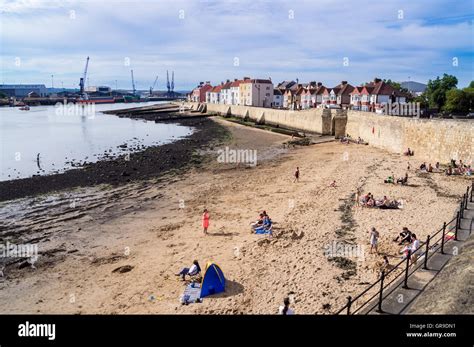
x=82 y=80
x=172 y=82
x=133 y=84
x=154 y=84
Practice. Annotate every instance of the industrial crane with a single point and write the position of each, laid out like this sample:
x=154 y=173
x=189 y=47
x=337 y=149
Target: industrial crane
x=82 y=80
x=172 y=82
x=133 y=84
x=154 y=84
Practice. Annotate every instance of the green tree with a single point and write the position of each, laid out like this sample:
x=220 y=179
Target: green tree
x=457 y=101
x=396 y=85
x=436 y=90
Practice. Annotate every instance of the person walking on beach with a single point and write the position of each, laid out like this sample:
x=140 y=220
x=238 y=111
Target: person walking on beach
x=374 y=236
x=205 y=221
x=285 y=308
x=297 y=175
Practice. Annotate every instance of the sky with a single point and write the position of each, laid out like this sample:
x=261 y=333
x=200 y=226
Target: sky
x=207 y=40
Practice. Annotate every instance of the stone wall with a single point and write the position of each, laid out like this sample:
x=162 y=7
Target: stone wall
x=311 y=120
x=431 y=139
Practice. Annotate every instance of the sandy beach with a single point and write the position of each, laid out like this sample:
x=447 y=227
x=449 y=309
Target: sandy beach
x=154 y=226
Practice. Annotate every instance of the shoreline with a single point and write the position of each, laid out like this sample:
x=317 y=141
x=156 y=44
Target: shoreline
x=152 y=162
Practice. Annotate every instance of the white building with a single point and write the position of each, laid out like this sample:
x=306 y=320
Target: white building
x=225 y=94
x=277 y=98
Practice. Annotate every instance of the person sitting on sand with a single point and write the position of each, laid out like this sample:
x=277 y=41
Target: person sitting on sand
x=449 y=171
x=194 y=270
x=374 y=236
x=285 y=308
x=423 y=167
x=390 y=179
x=404 y=236
x=437 y=165
x=430 y=168
x=409 y=152
x=258 y=223
x=468 y=171
x=333 y=184
x=403 y=180
x=266 y=227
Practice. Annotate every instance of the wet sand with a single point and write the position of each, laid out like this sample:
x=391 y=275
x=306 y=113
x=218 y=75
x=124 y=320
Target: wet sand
x=154 y=226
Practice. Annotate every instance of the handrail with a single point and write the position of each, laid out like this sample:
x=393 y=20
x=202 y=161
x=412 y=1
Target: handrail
x=453 y=224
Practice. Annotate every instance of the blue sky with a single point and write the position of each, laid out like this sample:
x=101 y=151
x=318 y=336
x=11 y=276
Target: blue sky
x=201 y=40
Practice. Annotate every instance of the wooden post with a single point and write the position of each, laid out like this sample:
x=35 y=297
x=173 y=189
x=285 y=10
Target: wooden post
x=442 y=239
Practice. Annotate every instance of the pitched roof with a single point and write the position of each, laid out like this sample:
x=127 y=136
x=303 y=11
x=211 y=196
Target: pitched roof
x=343 y=89
x=236 y=83
x=216 y=89
x=226 y=85
x=277 y=92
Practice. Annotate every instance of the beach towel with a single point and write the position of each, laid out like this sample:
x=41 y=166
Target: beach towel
x=449 y=236
x=191 y=294
x=262 y=231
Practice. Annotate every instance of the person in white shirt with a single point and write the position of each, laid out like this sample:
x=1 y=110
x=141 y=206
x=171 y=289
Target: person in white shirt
x=413 y=248
x=191 y=271
x=374 y=236
x=285 y=308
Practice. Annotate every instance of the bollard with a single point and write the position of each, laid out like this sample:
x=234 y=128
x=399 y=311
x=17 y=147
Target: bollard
x=425 y=266
x=442 y=239
x=349 y=303
x=405 y=282
x=379 y=309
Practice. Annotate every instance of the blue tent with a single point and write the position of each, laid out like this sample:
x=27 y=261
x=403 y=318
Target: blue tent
x=213 y=281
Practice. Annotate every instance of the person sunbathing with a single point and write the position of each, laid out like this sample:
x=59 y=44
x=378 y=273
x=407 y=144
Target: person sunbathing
x=266 y=227
x=194 y=270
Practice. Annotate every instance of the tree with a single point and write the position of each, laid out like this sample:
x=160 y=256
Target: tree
x=436 y=90
x=457 y=101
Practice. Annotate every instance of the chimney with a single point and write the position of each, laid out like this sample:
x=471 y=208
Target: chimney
x=235 y=79
x=377 y=80
x=319 y=84
x=208 y=82
x=343 y=83
x=246 y=78
x=227 y=81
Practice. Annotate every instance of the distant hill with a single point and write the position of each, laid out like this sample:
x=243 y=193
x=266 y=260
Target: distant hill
x=413 y=86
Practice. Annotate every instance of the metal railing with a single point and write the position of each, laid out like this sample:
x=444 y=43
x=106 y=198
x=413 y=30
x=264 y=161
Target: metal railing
x=431 y=246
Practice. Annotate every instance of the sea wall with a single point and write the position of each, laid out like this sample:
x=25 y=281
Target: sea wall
x=312 y=120
x=431 y=139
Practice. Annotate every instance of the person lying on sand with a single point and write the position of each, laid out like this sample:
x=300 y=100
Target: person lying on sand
x=333 y=184
x=194 y=270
